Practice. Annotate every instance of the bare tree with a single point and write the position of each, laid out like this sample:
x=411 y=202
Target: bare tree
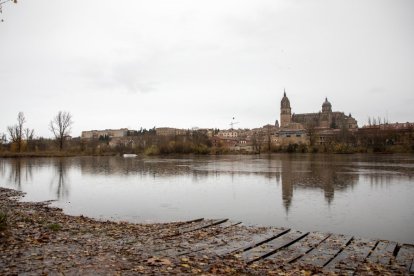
x=1 y=6
x=16 y=132
x=3 y=140
x=61 y=126
x=269 y=137
x=29 y=134
x=257 y=140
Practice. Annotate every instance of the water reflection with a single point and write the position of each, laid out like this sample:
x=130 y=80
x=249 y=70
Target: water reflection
x=20 y=172
x=313 y=174
x=306 y=192
x=329 y=174
x=60 y=181
x=132 y=166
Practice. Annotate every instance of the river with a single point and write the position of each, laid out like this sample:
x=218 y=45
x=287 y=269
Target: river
x=364 y=195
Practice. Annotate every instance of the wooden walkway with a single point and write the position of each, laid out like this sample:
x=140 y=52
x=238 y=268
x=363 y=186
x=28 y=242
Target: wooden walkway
x=284 y=248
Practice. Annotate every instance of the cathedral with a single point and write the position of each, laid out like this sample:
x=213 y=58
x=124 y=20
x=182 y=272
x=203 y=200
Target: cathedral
x=325 y=119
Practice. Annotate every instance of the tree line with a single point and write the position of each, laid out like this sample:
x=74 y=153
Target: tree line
x=21 y=138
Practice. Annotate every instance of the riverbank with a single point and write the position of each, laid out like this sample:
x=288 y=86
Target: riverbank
x=8 y=154
x=82 y=154
x=38 y=239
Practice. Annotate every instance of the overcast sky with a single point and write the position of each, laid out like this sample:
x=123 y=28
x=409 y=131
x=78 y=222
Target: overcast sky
x=135 y=64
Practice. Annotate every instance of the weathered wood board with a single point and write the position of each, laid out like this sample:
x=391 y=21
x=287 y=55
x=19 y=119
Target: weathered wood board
x=281 y=248
x=188 y=241
x=325 y=251
x=272 y=246
x=240 y=241
x=405 y=256
x=383 y=253
x=353 y=255
x=199 y=225
x=298 y=249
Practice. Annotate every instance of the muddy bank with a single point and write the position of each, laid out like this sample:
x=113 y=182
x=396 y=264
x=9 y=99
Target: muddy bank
x=38 y=239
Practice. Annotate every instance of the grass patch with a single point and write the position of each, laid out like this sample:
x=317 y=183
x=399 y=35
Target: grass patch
x=54 y=226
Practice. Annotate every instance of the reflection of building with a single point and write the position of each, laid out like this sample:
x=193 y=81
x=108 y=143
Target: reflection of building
x=287 y=183
x=325 y=119
x=315 y=173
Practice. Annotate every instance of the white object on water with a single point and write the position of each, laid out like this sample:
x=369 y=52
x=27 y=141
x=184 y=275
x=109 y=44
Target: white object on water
x=129 y=155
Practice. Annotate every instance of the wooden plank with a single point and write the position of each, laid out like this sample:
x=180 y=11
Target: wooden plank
x=190 y=221
x=238 y=244
x=405 y=256
x=238 y=239
x=272 y=246
x=220 y=227
x=298 y=249
x=325 y=251
x=194 y=226
x=354 y=254
x=383 y=253
x=217 y=239
x=200 y=225
x=167 y=227
x=190 y=242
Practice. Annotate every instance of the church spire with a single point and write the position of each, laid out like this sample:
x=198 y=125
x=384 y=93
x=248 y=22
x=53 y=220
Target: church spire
x=285 y=110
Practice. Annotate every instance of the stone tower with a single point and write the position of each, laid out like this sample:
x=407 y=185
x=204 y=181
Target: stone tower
x=326 y=106
x=326 y=117
x=285 y=111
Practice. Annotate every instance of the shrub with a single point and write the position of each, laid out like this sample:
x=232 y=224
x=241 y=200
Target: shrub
x=201 y=149
x=292 y=148
x=153 y=150
x=54 y=226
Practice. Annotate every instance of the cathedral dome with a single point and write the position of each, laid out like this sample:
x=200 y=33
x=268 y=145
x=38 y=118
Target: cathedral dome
x=285 y=103
x=326 y=106
x=326 y=103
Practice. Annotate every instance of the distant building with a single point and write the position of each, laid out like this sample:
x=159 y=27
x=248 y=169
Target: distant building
x=388 y=133
x=228 y=134
x=169 y=131
x=323 y=119
x=391 y=126
x=294 y=134
x=107 y=133
x=218 y=141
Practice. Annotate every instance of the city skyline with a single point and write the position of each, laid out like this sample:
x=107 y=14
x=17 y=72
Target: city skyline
x=193 y=64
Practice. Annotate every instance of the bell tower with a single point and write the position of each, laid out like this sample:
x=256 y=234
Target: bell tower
x=285 y=111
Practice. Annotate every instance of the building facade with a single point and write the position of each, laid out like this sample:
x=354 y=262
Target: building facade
x=107 y=133
x=285 y=111
x=169 y=131
x=322 y=119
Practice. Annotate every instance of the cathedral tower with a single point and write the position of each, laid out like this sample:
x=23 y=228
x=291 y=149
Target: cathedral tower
x=326 y=116
x=285 y=111
x=326 y=106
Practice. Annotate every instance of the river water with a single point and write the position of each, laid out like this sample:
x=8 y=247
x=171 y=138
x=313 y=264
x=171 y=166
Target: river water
x=364 y=195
